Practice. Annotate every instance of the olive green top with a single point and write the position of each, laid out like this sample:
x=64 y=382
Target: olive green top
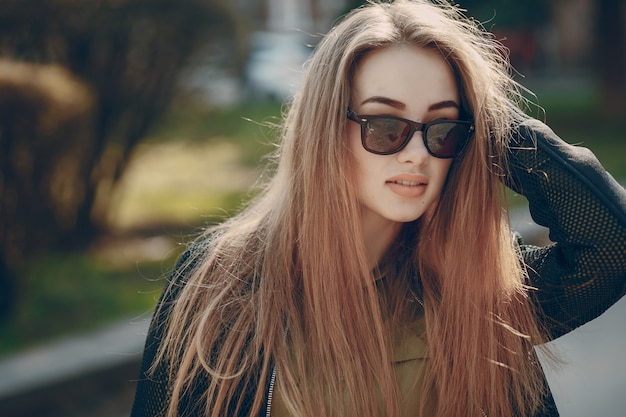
x=409 y=358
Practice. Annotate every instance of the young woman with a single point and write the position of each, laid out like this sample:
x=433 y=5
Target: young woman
x=377 y=274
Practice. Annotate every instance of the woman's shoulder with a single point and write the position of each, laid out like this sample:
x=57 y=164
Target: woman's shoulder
x=190 y=259
x=194 y=253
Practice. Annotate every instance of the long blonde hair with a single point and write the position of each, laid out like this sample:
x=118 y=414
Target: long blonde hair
x=285 y=284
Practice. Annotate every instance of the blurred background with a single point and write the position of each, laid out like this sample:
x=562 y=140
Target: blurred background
x=128 y=125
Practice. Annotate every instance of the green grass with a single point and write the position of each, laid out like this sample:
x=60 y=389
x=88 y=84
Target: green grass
x=252 y=126
x=66 y=293
x=582 y=123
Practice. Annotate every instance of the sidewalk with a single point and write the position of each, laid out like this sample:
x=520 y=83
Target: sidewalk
x=90 y=374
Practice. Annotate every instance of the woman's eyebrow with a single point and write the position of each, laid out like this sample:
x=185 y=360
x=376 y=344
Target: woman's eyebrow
x=385 y=100
x=401 y=106
x=443 y=105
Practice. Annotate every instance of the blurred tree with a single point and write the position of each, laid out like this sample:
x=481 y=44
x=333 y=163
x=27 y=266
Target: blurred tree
x=515 y=24
x=80 y=84
x=352 y=4
x=610 y=57
x=508 y=13
x=45 y=127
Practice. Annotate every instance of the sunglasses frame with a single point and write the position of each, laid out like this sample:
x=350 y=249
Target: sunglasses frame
x=363 y=119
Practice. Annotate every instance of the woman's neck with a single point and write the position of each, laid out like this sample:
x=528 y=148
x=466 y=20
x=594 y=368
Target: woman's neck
x=378 y=235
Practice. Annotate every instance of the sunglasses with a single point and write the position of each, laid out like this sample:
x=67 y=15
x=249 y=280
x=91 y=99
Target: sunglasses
x=386 y=135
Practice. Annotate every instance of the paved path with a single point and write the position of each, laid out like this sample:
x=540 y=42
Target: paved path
x=114 y=344
x=87 y=375
x=593 y=382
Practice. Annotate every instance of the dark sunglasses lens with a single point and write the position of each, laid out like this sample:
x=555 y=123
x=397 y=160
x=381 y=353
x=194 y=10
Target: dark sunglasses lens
x=384 y=135
x=445 y=139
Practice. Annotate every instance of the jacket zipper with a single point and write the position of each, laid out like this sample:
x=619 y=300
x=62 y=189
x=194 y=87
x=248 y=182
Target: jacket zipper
x=270 y=394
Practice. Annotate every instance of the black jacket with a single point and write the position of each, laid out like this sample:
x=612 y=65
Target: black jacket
x=578 y=277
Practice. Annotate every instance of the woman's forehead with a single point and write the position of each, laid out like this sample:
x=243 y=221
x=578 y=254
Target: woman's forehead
x=403 y=76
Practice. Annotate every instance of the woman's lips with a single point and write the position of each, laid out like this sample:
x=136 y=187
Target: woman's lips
x=408 y=185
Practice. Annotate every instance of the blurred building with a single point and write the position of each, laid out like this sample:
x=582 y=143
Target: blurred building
x=312 y=16
x=278 y=38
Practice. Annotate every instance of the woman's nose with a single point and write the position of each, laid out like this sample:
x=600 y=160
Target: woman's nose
x=415 y=151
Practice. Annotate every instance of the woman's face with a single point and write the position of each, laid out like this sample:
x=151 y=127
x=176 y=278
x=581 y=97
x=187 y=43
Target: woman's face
x=412 y=83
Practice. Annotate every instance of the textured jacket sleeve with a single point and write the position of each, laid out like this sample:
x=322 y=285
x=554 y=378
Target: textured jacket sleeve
x=583 y=272
x=153 y=389
x=153 y=393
